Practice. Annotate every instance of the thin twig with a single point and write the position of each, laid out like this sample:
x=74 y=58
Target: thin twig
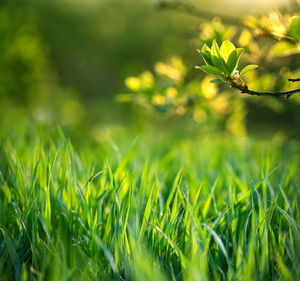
x=242 y=86
x=274 y=94
x=294 y=80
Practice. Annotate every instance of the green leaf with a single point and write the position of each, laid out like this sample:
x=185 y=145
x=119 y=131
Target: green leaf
x=207 y=58
x=248 y=68
x=232 y=62
x=210 y=70
x=283 y=48
x=239 y=52
x=216 y=56
x=215 y=49
x=294 y=29
x=233 y=59
x=226 y=49
x=219 y=61
x=217 y=81
x=205 y=52
x=205 y=48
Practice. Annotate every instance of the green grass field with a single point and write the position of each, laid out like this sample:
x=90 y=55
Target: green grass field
x=148 y=208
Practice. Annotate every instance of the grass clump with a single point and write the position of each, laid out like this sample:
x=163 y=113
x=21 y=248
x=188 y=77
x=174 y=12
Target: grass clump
x=209 y=209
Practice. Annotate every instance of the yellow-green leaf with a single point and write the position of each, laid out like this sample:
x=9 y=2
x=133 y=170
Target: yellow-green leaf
x=226 y=49
x=248 y=68
x=294 y=29
x=210 y=70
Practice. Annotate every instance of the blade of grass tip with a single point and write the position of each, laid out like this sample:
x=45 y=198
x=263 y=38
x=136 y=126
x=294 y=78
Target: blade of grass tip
x=12 y=253
x=127 y=155
x=92 y=178
x=173 y=189
x=258 y=183
x=208 y=200
x=50 y=168
x=146 y=215
x=185 y=221
x=114 y=184
x=219 y=218
x=194 y=217
x=174 y=206
x=82 y=194
x=144 y=179
x=34 y=176
x=197 y=195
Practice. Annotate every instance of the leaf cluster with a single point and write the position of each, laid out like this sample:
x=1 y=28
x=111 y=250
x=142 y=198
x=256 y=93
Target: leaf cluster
x=223 y=61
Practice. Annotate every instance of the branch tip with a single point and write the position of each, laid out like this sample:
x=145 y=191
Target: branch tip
x=239 y=84
x=294 y=80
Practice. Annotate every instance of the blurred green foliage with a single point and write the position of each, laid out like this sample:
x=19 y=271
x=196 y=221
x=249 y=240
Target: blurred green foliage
x=148 y=208
x=270 y=41
x=64 y=62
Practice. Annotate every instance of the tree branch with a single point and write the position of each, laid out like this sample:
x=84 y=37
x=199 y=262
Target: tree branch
x=286 y=94
x=294 y=80
x=237 y=83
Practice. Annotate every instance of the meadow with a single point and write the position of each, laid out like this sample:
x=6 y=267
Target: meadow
x=149 y=140
x=148 y=207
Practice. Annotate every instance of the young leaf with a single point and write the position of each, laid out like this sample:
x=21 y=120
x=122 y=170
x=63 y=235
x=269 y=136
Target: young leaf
x=233 y=59
x=248 y=68
x=207 y=58
x=217 y=81
x=294 y=29
x=210 y=70
x=226 y=49
x=205 y=48
x=239 y=52
x=205 y=52
x=232 y=62
x=216 y=57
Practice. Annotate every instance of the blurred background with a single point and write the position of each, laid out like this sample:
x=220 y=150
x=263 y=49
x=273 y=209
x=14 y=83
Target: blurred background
x=65 y=63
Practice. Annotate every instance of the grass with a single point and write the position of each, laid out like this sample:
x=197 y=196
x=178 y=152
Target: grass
x=143 y=209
